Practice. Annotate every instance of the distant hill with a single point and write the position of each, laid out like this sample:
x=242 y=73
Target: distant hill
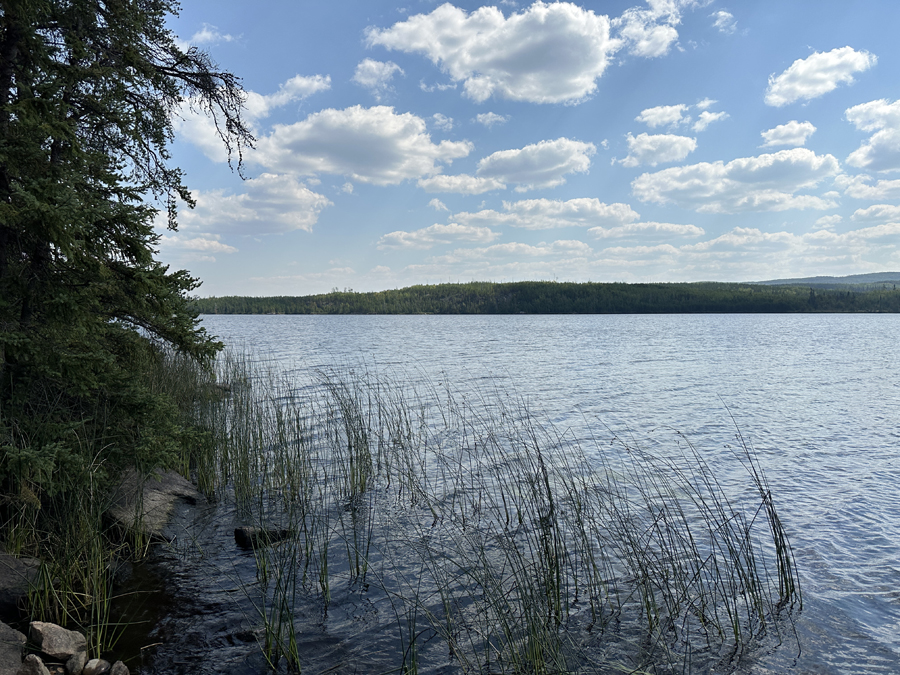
x=877 y=278
x=548 y=297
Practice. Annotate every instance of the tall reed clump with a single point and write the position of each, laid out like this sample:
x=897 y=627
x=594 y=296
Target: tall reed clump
x=499 y=543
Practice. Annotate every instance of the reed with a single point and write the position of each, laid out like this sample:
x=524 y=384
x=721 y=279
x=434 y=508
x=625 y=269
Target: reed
x=516 y=546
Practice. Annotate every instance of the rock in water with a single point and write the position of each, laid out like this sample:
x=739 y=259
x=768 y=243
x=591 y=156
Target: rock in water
x=119 y=668
x=32 y=665
x=55 y=641
x=96 y=667
x=11 y=644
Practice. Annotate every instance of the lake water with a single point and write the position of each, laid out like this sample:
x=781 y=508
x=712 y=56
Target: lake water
x=816 y=395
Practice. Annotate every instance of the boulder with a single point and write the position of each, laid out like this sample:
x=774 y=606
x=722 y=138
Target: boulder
x=148 y=503
x=12 y=642
x=32 y=665
x=55 y=641
x=249 y=537
x=75 y=664
x=96 y=667
x=119 y=668
x=16 y=575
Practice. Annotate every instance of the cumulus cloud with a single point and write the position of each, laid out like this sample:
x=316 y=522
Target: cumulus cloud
x=442 y=122
x=370 y=145
x=540 y=165
x=207 y=245
x=706 y=118
x=663 y=115
x=724 y=21
x=861 y=187
x=461 y=184
x=489 y=119
x=270 y=204
x=650 y=31
x=793 y=133
x=769 y=182
x=376 y=76
x=828 y=221
x=193 y=124
x=878 y=212
x=429 y=237
x=634 y=229
x=438 y=205
x=657 y=149
x=676 y=115
x=881 y=152
x=817 y=75
x=207 y=35
x=545 y=214
x=547 y=53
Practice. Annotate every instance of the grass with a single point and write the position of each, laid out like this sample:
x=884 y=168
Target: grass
x=486 y=531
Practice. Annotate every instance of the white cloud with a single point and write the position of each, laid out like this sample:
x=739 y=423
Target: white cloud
x=347 y=188
x=633 y=229
x=545 y=214
x=882 y=212
x=768 y=182
x=442 y=122
x=705 y=104
x=429 y=237
x=707 y=118
x=793 y=133
x=881 y=152
x=203 y=244
x=663 y=115
x=817 y=75
x=489 y=119
x=370 y=145
x=656 y=149
x=192 y=123
x=271 y=204
x=828 y=222
x=724 y=21
x=207 y=35
x=859 y=187
x=540 y=165
x=651 y=32
x=438 y=205
x=547 y=53
x=376 y=76
x=461 y=184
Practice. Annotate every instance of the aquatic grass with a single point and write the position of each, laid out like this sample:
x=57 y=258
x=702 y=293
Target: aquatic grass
x=491 y=532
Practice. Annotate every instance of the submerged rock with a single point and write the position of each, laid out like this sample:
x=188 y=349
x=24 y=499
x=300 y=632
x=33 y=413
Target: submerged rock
x=147 y=503
x=254 y=537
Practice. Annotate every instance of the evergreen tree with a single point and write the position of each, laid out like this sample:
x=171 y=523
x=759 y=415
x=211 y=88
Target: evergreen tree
x=88 y=91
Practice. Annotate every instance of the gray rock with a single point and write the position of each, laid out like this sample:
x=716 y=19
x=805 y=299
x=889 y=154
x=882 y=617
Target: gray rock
x=55 y=641
x=147 y=503
x=32 y=665
x=11 y=644
x=96 y=667
x=16 y=575
x=255 y=537
x=119 y=668
x=75 y=664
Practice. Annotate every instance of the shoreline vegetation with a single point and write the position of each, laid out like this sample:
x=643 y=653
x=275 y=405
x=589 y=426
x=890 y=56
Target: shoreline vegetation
x=549 y=297
x=495 y=541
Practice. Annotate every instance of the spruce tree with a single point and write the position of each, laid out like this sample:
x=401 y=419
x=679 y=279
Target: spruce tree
x=88 y=93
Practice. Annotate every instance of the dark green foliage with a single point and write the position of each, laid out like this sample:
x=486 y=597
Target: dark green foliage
x=547 y=297
x=88 y=89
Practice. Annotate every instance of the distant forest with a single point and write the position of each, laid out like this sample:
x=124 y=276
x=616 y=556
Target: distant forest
x=548 y=297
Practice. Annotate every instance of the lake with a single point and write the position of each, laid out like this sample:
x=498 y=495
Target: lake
x=816 y=395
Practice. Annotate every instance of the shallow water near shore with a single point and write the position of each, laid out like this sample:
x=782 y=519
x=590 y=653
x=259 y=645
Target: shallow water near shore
x=815 y=395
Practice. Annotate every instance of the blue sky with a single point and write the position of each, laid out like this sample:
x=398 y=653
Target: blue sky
x=663 y=140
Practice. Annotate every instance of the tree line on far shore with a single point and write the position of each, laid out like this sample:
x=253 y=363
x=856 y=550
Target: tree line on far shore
x=548 y=297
